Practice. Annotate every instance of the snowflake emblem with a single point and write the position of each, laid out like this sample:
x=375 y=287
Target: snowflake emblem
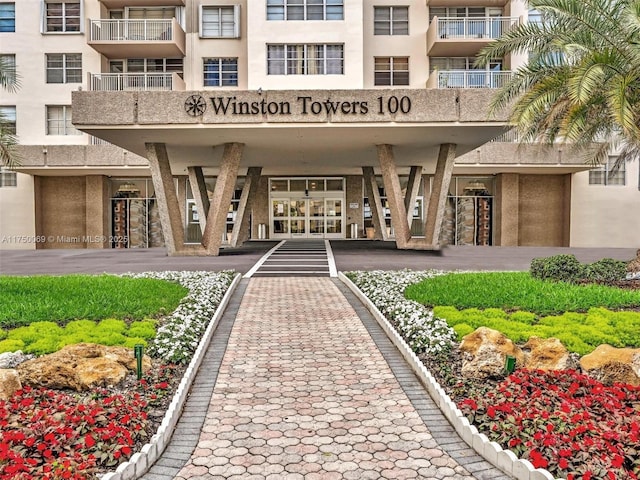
x=195 y=105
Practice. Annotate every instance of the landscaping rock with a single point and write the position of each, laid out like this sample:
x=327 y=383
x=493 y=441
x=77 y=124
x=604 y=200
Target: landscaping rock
x=13 y=359
x=9 y=383
x=488 y=350
x=545 y=354
x=609 y=364
x=80 y=367
x=633 y=268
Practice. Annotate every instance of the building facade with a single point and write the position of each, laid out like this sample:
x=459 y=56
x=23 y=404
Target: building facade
x=194 y=124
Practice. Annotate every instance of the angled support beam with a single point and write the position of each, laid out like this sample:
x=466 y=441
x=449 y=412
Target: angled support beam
x=438 y=197
x=394 y=195
x=165 y=189
x=222 y=195
x=415 y=175
x=377 y=216
x=240 y=231
x=199 y=190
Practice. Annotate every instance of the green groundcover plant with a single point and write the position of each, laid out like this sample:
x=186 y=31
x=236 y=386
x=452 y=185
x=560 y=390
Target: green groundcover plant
x=40 y=338
x=579 y=332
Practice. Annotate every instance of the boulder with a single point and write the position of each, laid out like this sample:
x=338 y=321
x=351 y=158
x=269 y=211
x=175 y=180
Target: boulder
x=610 y=364
x=487 y=350
x=13 y=359
x=633 y=267
x=545 y=354
x=80 y=367
x=9 y=383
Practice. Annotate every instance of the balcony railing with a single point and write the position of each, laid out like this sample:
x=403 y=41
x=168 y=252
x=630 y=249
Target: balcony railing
x=114 y=82
x=473 y=78
x=131 y=30
x=474 y=27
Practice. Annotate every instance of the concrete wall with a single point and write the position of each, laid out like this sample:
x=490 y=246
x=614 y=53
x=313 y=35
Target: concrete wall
x=544 y=210
x=61 y=211
x=354 y=194
x=17 y=215
x=413 y=45
x=606 y=216
x=347 y=32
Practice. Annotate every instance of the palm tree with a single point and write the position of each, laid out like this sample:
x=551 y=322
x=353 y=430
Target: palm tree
x=10 y=82
x=581 y=84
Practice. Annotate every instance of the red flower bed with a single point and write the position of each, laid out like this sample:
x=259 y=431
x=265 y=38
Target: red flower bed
x=565 y=422
x=48 y=434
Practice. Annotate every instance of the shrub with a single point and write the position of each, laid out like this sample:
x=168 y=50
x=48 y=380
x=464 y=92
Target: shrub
x=111 y=325
x=606 y=270
x=11 y=345
x=3 y=334
x=35 y=331
x=144 y=329
x=562 y=268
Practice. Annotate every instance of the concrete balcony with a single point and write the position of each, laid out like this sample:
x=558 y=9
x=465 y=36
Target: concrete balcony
x=117 y=82
x=137 y=38
x=468 y=79
x=120 y=4
x=454 y=36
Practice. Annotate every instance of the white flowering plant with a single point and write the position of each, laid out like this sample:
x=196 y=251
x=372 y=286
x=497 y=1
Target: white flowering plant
x=180 y=332
x=423 y=332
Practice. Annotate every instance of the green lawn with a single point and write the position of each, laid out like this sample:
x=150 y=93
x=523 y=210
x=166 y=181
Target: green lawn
x=517 y=291
x=60 y=299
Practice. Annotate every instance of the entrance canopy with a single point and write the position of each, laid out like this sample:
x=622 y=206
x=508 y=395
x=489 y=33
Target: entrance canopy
x=297 y=132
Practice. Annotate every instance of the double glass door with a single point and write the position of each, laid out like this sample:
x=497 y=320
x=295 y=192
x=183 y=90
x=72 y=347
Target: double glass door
x=297 y=217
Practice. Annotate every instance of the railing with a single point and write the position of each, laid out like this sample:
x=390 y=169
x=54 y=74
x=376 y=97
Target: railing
x=475 y=27
x=131 y=30
x=115 y=82
x=97 y=141
x=510 y=136
x=473 y=78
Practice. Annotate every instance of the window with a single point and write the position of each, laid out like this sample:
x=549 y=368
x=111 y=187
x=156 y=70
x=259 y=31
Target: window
x=8 y=178
x=59 y=121
x=391 y=21
x=64 y=68
x=612 y=173
x=8 y=119
x=305 y=59
x=220 y=22
x=220 y=72
x=391 y=71
x=305 y=10
x=7 y=17
x=8 y=63
x=62 y=17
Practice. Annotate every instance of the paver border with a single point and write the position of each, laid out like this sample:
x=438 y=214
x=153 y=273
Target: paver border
x=140 y=462
x=505 y=460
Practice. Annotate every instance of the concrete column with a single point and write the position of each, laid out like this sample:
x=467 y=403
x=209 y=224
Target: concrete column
x=164 y=186
x=240 y=231
x=507 y=210
x=199 y=190
x=377 y=215
x=222 y=196
x=415 y=175
x=97 y=211
x=438 y=197
x=394 y=195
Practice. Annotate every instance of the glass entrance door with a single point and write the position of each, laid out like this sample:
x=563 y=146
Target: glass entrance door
x=307 y=207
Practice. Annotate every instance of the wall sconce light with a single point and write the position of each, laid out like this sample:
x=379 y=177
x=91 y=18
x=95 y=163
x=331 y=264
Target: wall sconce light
x=44 y=150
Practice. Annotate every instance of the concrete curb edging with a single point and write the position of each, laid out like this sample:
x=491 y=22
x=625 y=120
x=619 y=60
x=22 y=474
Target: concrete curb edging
x=505 y=460
x=141 y=461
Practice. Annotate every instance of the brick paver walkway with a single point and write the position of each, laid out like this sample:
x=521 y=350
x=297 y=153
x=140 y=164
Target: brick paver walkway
x=304 y=393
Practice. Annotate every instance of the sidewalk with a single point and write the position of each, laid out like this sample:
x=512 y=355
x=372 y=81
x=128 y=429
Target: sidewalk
x=308 y=388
